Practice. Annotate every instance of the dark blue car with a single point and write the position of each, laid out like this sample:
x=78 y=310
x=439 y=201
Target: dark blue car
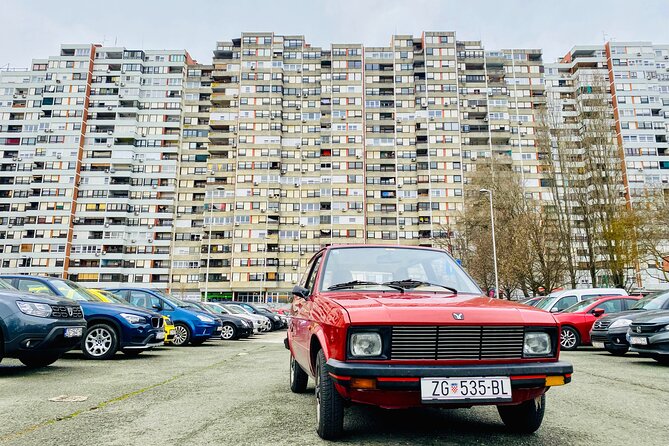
x=109 y=327
x=190 y=324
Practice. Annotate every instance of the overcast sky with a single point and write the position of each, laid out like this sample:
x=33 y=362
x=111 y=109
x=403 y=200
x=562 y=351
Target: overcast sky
x=36 y=28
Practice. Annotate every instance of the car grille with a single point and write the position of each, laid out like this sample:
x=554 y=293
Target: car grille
x=456 y=342
x=645 y=328
x=601 y=325
x=156 y=322
x=63 y=312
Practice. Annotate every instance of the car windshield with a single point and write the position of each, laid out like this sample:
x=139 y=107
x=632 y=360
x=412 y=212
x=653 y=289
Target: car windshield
x=582 y=305
x=4 y=285
x=201 y=306
x=546 y=303
x=655 y=301
x=388 y=268
x=236 y=309
x=174 y=301
x=112 y=297
x=73 y=291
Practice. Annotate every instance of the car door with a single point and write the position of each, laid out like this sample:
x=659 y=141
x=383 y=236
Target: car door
x=301 y=310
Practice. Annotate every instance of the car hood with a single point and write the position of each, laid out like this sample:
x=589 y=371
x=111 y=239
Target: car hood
x=92 y=307
x=629 y=314
x=653 y=317
x=436 y=308
x=32 y=297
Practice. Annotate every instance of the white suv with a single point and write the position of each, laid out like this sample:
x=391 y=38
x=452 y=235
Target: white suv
x=559 y=300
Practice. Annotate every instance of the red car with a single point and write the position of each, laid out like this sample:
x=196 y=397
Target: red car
x=400 y=327
x=577 y=320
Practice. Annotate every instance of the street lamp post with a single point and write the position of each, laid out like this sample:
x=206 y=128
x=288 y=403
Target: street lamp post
x=494 y=244
x=211 y=225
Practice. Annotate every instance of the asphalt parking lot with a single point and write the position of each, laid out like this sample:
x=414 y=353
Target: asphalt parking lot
x=236 y=392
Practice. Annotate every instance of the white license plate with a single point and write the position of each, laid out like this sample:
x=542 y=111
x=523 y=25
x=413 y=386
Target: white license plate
x=459 y=389
x=637 y=340
x=598 y=344
x=76 y=332
x=160 y=336
x=218 y=329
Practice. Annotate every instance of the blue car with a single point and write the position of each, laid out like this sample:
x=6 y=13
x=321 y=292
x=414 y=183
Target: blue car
x=190 y=323
x=109 y=327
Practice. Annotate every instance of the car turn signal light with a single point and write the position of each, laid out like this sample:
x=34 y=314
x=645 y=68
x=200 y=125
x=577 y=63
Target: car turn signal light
x=363 y=383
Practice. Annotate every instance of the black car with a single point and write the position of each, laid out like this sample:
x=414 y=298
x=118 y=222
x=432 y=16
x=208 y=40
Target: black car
x=649 y=336
x=232 y=327
x=610 y=332
x=37 y=329
x=277 y=323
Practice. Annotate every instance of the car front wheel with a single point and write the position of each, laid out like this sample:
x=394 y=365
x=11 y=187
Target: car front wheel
x=229 y=331
x=33 y=360
x=298 y=377
x=569 y=338
x=524 y=418
x=100 y=342
x=181 y=335
x=329 y=404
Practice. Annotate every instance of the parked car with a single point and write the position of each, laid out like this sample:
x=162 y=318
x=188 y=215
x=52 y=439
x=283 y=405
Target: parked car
x=191 y=325
x=257 y=324
x=263 y=321
x=266 y=309
x=274 y=318
x=532 y=301
x=561 y=300
x=610 y=332
x=577 y=320
x=232 y=327
x=37 y=330
x=399 y=327
x=109 y=297
x=649 y=335
x=109 y=327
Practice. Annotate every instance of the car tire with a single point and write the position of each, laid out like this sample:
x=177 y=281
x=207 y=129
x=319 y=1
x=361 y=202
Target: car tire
x=298 y=377
x=132 y=353
x=569 y=338
x=662 y=359
x=100 y=342
x=524 y=418
x=229 y=331
x=34 y=361
x=181 y=335
x=617 y=351
x=329 y=404
x=197 y=342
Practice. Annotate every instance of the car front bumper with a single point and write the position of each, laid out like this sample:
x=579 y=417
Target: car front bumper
x=50 y=338
x=398 y=386
x=615 y=339
x=658 y=344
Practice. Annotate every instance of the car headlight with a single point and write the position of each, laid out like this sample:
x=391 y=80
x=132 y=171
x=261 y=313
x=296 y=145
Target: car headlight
x=537 y=344
x=366 y=344
x=276 y=318
x=34 y=309
x=620 y=323
x=168 y=321
x=133 y=318
x=204 y=318
x=244 y=324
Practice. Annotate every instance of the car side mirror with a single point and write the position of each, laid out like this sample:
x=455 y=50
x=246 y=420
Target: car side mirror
x=157 y=307
x=300 y=292
x=598 y=312
x=554 y=310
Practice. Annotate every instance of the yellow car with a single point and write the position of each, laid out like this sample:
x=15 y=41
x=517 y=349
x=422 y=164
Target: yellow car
x=106 y=296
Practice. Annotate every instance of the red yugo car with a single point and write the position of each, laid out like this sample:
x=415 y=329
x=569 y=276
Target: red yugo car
x=400 y=327
x=577 y=320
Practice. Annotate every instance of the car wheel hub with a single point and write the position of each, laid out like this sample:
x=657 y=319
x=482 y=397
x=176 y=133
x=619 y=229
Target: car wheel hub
x=179 y=335
x=568 y=339
x=228 y=332
x=98 y=342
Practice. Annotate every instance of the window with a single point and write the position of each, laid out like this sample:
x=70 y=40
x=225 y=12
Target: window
x=611 y=306
x=33 y=286
x=565 y=302
x=311 y=281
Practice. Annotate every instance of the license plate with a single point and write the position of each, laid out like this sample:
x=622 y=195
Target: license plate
x=160 y=336
x=459 y=389
x=74 y=332
x=218 y=329
x=598 y=344
x=637 y=340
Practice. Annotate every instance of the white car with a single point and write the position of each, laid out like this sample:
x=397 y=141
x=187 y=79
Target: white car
x=261 y=322
x=560 y=300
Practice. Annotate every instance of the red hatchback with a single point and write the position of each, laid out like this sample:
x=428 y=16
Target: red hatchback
x=400 y=327
x=577 y=320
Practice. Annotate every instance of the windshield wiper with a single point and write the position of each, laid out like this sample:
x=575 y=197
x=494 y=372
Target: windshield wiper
x=353 y=283
x=411 y=283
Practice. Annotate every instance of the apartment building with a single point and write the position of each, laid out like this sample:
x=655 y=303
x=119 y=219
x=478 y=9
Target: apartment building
x=350 y=144
x=90 y=141
x=635 y=78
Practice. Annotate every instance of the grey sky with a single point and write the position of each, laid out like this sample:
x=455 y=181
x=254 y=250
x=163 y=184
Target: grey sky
x=36 y=28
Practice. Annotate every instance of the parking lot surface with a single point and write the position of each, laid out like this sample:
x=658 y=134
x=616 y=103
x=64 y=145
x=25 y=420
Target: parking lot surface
x=237 y=392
